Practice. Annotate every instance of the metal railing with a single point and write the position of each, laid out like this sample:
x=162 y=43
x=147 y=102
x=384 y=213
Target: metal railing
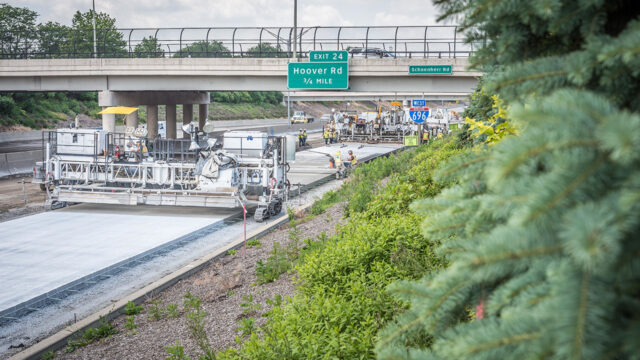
x=438 y=41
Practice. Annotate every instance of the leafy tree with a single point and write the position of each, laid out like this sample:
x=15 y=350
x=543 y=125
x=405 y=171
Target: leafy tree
x=51 y=38
x=110 y=42
x=200 y=49
x=148 y=47
x=18 y=26
x=540 y=233
x=266 y=50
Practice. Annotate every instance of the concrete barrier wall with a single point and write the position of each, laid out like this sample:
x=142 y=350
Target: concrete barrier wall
x=19 y=162
x=21 y=136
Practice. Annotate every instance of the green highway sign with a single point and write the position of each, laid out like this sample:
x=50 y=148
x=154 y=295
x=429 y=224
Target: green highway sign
x=318 y=75
x=329 y=56
x=430 y=69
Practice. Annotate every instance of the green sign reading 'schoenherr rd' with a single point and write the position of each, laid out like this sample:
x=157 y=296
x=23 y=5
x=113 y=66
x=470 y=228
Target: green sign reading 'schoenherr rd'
x=318 y=75
x=430 y=69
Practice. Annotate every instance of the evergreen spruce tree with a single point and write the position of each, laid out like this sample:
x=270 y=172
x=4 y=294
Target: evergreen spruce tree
x=541 y=230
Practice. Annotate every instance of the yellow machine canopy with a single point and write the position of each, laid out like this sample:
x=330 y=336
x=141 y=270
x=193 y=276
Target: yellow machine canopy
x=124 y=110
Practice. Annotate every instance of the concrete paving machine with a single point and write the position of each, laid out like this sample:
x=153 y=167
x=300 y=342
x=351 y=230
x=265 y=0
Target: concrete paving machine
x=247 y=169
x=374 y=126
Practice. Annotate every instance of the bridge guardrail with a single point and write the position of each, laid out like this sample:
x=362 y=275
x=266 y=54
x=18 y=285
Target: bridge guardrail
x=437 y=41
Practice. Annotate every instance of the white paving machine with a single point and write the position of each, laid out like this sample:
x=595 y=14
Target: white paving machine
x=380 y=126
x=248 y=169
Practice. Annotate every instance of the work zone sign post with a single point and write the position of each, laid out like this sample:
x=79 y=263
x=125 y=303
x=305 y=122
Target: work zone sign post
x=326 y=70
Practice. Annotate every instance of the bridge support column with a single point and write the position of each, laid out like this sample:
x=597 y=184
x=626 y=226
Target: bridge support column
x=187 y=117
x=152 y=121
x=171 y=121
x=131 y=120
x=109 y=122
x=203 y=115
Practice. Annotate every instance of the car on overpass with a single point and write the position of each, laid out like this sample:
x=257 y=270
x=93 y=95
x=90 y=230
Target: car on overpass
x=359 y=52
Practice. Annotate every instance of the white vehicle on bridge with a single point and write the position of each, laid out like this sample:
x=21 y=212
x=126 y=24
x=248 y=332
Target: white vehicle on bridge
x=249 y=169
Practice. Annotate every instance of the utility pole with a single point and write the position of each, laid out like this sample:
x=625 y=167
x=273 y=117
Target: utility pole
x=295 y=33
x=295 y=27
x=95 y=45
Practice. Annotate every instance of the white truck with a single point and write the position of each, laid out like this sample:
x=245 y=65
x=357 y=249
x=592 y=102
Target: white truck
x=301 y=117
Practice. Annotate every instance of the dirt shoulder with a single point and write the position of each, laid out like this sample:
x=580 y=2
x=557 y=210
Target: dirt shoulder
x=223 y=285
x=12 y=198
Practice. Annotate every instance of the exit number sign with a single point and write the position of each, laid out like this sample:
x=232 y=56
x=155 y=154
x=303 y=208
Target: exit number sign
x=328 y=56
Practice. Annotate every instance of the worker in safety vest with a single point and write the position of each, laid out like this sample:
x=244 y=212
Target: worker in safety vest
x=425 y=136
x=334 y=137
x=351 y=159
x=304 y=138
x=338 y=158
x=300 y=137
x=145 y=150
x=325 y=135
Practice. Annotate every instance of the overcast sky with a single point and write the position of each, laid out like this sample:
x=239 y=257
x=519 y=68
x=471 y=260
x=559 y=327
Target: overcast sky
x=209 y=13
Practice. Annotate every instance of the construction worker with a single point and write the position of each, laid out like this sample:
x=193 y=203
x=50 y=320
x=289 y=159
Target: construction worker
x=325 y=135
x=338 y=158
x=425 y=137
x=145 y=150
x=300 y=137
x=304 y=137
x=334 y=137
x=351 y=160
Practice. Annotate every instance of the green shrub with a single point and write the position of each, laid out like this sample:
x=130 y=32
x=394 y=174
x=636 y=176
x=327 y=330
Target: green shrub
x=172 y=311
x=49 y=355
x=195 y=321
x=275 y=265
x=342 y=300
x=130 y=324
x=176 y=352
x=104 y=330
x=155 y=312
x=249 y=307
x=247 y=326
x=132 y=309
x=253 y=242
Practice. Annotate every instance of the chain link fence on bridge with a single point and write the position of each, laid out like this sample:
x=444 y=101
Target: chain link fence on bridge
x=257 y=42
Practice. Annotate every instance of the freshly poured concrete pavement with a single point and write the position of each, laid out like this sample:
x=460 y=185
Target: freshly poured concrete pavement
x=42 y=252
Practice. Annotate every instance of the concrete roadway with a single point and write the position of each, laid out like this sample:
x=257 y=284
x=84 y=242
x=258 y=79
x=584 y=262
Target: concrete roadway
x=45 y=251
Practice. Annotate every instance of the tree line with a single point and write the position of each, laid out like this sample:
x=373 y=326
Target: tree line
x=23 y=37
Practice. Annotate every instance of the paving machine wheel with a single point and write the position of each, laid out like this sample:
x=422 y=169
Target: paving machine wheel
x=261 y=214
x=275 y=207
x=58 y=204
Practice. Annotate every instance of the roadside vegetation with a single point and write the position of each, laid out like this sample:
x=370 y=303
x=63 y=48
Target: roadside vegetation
x=341 y=301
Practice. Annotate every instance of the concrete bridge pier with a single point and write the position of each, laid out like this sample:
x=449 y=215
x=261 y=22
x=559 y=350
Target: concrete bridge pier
x=170 y=113
x=131 y=120
x=152 y=121
x=187 y=117
x=109 y=122
x=203 y=115
x=152 y=99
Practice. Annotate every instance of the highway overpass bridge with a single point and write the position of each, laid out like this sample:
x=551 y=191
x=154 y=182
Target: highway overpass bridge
x=222 y=74
x=189 y=62
x=186 y=81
